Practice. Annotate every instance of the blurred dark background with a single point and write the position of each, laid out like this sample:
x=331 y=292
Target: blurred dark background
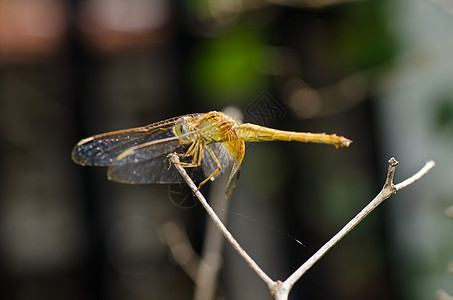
x=377 y=72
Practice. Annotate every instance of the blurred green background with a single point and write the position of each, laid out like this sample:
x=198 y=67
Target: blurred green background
x=377 y=72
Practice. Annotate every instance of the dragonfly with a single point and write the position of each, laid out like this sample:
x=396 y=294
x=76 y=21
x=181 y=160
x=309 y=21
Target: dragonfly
x=207 y=144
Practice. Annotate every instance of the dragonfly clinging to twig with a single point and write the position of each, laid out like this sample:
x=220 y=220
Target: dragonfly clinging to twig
x=208 y=144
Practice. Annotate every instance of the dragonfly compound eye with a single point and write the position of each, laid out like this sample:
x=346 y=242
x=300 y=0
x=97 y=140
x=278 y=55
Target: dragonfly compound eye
x=180 y=127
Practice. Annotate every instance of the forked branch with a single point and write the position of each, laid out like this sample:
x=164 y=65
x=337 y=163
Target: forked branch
x=387 y=190
x=279 y=289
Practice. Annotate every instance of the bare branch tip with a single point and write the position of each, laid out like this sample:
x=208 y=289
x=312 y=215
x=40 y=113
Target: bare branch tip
x=172 y=156
x=422 y=172
x=431 y=163
x=391 y=172
x=393 y=162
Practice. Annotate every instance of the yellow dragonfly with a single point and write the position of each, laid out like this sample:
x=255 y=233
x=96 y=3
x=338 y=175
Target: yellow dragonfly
x=207 y=143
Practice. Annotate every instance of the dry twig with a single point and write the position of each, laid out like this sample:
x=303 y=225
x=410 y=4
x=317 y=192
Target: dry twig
x=280 y=290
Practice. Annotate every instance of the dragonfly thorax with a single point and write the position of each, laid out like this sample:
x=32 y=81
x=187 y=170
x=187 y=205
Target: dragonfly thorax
x=212 y=127
x=217 y=127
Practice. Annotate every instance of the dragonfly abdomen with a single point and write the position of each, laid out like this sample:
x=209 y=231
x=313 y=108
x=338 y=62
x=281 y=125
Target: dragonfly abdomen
x=256 y=133
x=320 y=138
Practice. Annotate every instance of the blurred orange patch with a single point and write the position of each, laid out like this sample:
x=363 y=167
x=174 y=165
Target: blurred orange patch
x=31 y=29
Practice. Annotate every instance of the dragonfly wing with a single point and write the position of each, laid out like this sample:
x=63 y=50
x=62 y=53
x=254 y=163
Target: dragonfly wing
x=229 y=154
x=147 y=163
x=208 y=163
x=102 y=149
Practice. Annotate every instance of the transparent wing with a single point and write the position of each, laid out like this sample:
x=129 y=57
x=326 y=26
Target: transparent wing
x=230 y=154
x=223 y=156
x=102 y=149
x=146 y=164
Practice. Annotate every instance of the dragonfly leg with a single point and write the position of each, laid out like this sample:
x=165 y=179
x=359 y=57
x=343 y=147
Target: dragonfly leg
x=195 y=150
x=219 y=166
x=189 y=151
x=192 y=149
